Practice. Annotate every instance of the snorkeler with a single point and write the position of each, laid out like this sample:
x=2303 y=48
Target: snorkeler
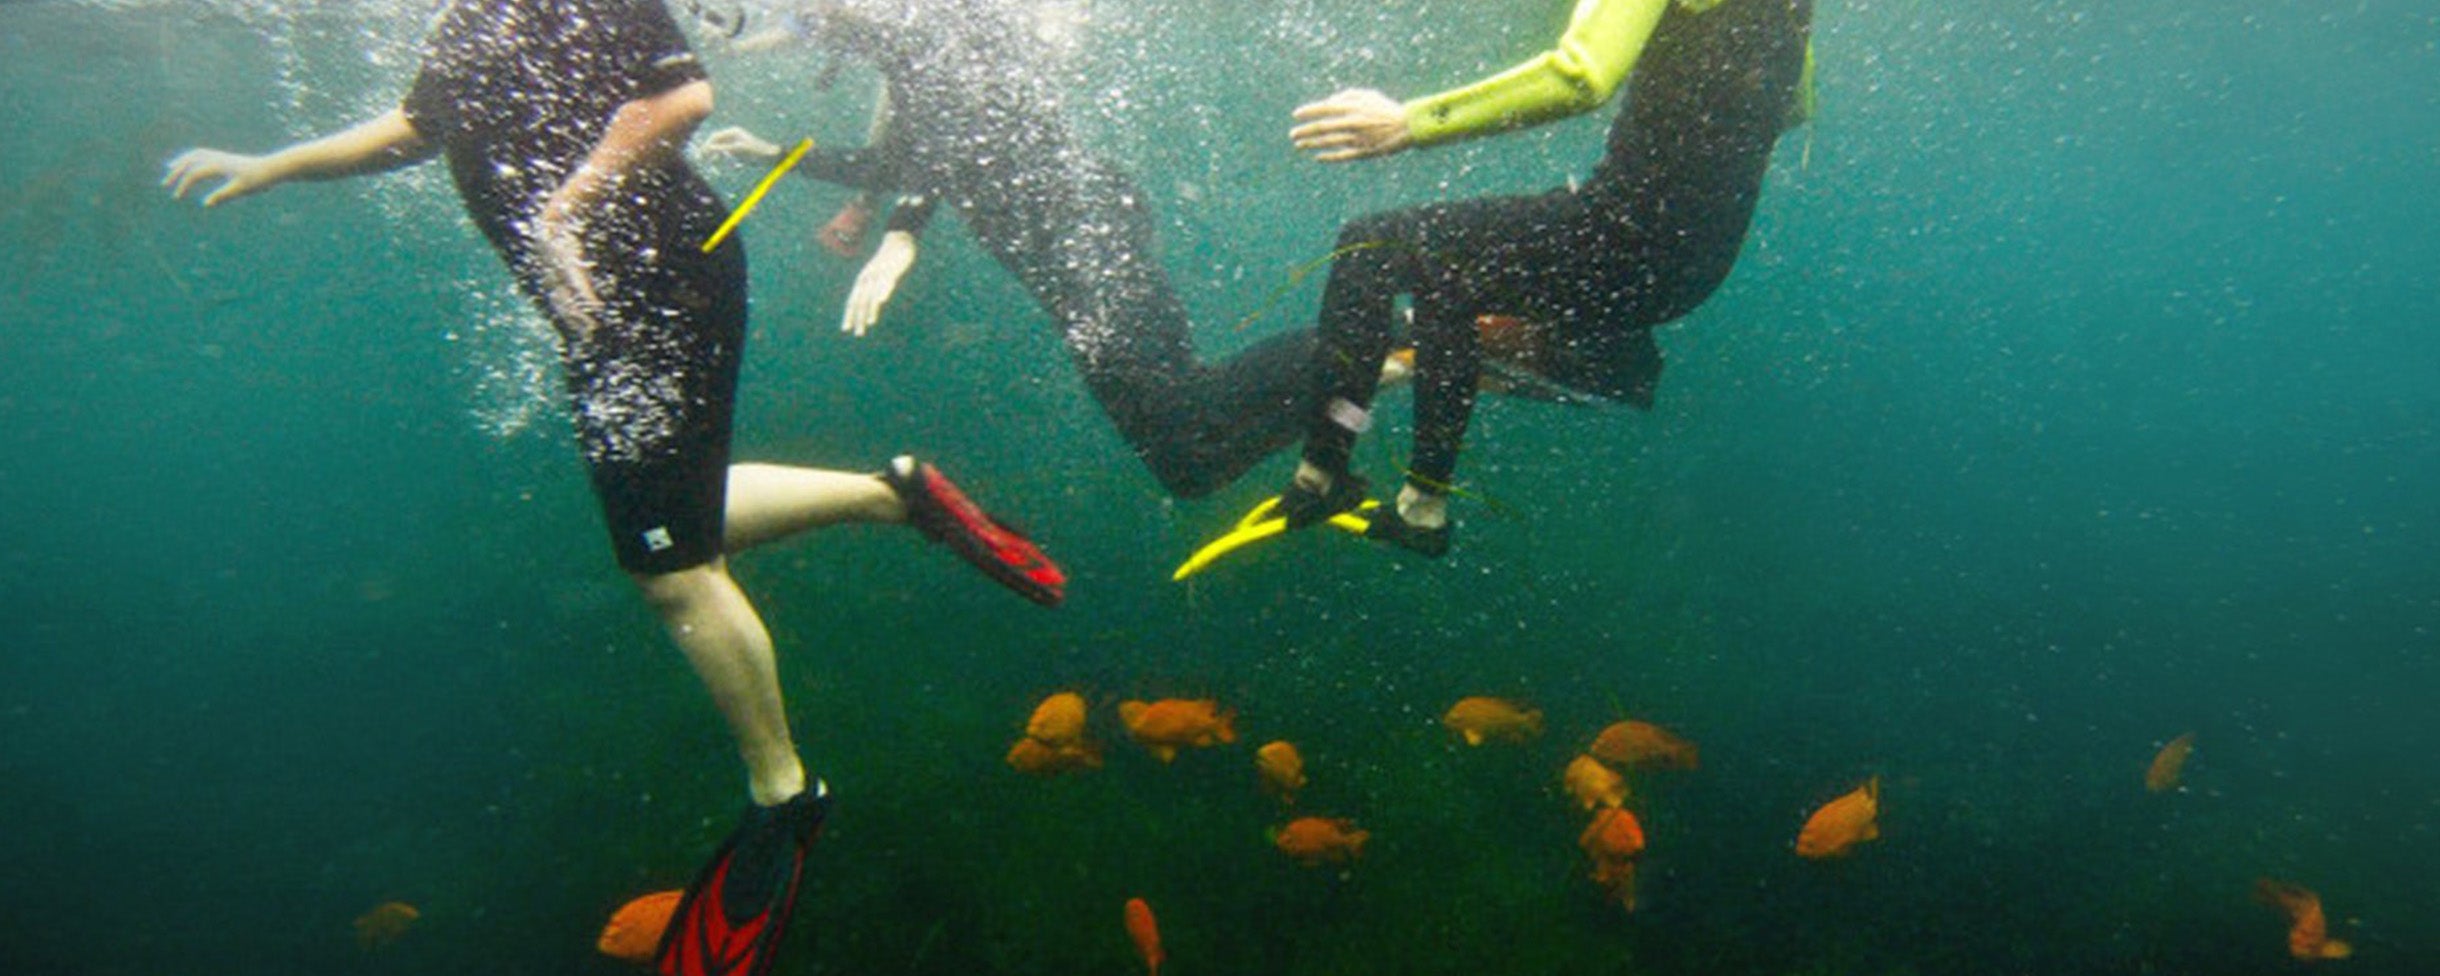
x=1592 y=268
x=974 y=123
x=561 y=121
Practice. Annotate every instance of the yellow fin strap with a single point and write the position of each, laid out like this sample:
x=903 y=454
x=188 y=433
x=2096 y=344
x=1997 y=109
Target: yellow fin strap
x=739 y=215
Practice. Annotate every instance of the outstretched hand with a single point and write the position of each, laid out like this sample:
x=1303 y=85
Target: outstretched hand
x=878 y=281
x=1359 y=123
x=239 y=175
x=735 y=142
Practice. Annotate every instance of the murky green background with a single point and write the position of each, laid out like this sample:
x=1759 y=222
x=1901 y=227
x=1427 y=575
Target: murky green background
x=2076 y=390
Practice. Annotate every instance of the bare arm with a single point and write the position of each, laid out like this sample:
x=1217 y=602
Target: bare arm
x=383 y=143
x=651 y=129
x=645 y=131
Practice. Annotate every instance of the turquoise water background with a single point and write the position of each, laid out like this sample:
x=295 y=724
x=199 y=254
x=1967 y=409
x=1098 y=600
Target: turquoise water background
x=2077 y=389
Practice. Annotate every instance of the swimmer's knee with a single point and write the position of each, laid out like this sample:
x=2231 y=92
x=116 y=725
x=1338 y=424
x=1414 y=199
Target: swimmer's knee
x=671 y=589
x=1182 y=472
x=1191 y=485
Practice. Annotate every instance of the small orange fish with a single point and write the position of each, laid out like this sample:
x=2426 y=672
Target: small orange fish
x=385 y=924
x=2168 y=764
x=1594 y=784
x=1314 y=840
x=1480 y=719
x=1058 y=721
x=1614 y=833
x=1613 y=840
x=1643 y=745
x=2308 y=930
x=1147 y=935
x=1842 y=823
x=1282 y=769
x=1171 y=724
x=1033 y=758
x=635 y=929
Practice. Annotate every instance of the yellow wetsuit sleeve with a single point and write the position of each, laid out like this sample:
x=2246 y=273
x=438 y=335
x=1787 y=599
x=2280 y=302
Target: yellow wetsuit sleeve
x=1603 y=40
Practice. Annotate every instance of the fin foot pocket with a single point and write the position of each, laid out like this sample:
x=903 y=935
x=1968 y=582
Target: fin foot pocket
x=731 y=918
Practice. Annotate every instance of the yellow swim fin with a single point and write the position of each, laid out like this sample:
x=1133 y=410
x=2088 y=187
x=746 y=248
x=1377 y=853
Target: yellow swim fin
x=1259 y=524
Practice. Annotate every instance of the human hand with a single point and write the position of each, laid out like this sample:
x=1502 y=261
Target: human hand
x=844 y=234
x=878 y=281
x=1358 y=123
x=240 y=175
x=567 y=277
x=735 y=142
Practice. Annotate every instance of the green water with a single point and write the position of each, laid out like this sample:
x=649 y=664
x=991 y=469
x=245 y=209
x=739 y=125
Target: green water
x=2075 y=390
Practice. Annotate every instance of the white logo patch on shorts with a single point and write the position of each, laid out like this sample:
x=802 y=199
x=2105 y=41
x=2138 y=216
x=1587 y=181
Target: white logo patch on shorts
x=657 y=538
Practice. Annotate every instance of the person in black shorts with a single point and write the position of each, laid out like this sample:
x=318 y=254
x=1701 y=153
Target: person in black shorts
x=974 y=124
x=561 y=121
x=1589 y=268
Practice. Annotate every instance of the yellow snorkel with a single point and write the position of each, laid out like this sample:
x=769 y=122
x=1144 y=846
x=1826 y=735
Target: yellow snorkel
x=739 y=215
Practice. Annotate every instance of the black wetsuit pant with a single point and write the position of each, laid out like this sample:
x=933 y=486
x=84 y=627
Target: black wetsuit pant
x=1078 y=237
x=1196 y=425
x=1644 y=241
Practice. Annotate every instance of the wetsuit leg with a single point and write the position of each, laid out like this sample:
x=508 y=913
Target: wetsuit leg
x=1196 y=427
x=1448 y=370
x=1457 y=260
x=652 y=389
x=1243 y=409
x=1379 y=257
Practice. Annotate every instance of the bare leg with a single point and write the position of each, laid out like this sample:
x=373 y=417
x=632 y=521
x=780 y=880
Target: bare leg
x=722 y=637
x=769 y=502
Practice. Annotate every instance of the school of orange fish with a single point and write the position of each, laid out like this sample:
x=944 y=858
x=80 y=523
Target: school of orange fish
x=1055 y=742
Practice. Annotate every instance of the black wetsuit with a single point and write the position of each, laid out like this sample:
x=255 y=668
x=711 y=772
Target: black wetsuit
x=1643 y=241
x=517 y=93
x=977 y=126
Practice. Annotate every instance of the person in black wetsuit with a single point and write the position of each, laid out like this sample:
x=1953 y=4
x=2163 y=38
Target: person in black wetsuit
x=562 y=121
x=1593 y=267
x=975 y=124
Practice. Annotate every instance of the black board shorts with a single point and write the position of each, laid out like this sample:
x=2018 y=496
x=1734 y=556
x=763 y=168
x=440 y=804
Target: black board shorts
x=652 y=391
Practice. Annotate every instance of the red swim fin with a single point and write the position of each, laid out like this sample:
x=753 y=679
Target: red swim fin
x=946 y=516
x=730 y=920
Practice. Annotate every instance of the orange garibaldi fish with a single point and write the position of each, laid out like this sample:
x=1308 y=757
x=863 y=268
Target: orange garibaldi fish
x=1282 y=769
x=1313 y=840
x=1031 y=757
x=383 y=925
x=1054 y=740
x=2308 y=930
x=1171 y=724
x=1147 y=935
x=635 y=929
x=1594 y=784
x=1480 y=719
x=1842 y=823
x=1643 y=745
x=1058 y=721
x=2168 y=764
x=1612 y=840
